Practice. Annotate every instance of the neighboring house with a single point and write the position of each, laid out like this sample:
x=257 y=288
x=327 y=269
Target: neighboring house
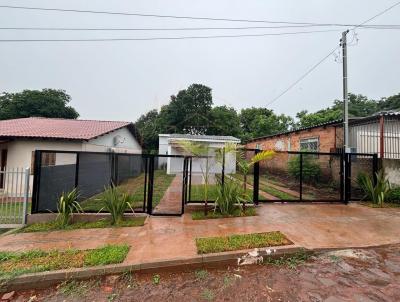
x=169 y=145
x=379 y=133
x=19 y=138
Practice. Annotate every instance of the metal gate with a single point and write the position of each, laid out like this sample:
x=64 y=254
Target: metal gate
x=14 y=197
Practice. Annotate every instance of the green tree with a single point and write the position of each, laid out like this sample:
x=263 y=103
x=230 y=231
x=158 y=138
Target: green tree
x=224 y=121
x=256 y=122
x=189 y=111
x=390 y=103
x=149 y=126
x=44 y=103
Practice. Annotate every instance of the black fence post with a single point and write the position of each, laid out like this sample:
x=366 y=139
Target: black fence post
x=301 y=176
x=190 y=180
x=36 y=181
x=150 y=188
x=347 y=184
x=184 y=182
x=146 y=170
x=341 y=175
x=256 y=180
x=223 y=167
x=374 y=167
x=77 y=170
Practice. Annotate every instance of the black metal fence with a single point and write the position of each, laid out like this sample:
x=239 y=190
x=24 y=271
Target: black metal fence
x=144 y=177
x=163 y=184
x=292 y=176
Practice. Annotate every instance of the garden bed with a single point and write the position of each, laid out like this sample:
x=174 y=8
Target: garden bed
x=240 y=242
x=385 y=205
x=199 y=215
x=13 y=264
x=100 y=223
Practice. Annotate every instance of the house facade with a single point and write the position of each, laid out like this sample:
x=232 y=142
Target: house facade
x=377 y=134
x=19 y=138
x=169 y=144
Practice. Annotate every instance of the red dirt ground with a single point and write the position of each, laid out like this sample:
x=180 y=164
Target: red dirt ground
x=369 y=275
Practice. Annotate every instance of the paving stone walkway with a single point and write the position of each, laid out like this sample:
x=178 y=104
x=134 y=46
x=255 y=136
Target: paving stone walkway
x=311 y=226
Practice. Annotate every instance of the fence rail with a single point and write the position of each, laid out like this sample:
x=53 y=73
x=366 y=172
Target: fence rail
x=14 y=197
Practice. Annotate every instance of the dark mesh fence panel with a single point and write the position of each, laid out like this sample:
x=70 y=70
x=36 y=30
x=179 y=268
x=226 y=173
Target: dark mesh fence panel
x=57 y=175
x=94 y=173
x=321 y=177
x=360 y=165
x=280 y=178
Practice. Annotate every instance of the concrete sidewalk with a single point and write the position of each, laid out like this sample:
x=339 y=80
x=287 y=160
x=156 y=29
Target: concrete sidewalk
x=165 y=238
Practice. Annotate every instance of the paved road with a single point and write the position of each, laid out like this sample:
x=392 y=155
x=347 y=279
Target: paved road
x=348 y=275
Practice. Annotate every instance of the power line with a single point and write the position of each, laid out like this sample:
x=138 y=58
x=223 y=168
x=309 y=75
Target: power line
x=328 y=55
x=186 y=28
x=168 y=38
x=169 y=16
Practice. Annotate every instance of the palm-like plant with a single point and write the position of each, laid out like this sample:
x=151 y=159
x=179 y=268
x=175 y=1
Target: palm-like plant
x=116 y=203
x=67 y=205
x=245 y=165
x=375 y=193
x=229 y=196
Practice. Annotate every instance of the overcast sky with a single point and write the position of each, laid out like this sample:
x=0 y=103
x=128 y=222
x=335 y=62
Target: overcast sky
x=122 y=80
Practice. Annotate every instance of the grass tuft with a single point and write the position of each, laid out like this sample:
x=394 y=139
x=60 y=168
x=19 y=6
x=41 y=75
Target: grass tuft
x=292 y=261
x=199 y=215
x=102 y=223
x=13 y=264
x=240 y=242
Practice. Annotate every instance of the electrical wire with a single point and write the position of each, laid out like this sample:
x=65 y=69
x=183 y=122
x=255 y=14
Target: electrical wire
x=327 y=56
x=184 y=28
x=168 y=16
x=167 y=38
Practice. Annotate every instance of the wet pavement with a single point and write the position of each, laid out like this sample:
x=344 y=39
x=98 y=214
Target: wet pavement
x=312 y=226
x=348 y=275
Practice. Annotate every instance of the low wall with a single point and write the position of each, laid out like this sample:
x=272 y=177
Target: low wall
x=392 y=170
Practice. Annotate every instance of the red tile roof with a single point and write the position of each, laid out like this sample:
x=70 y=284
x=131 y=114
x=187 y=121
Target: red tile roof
x=54 y=128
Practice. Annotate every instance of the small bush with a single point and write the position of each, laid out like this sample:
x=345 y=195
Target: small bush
x=394 y=195
x=67 y=205
x=311 y=169
x=115 y=203
x=375 y=193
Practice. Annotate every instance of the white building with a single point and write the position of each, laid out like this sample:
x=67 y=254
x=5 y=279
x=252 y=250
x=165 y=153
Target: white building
x=169 y=145
x=19 y=138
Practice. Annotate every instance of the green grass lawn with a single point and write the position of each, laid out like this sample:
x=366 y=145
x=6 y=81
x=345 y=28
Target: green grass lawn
x=102 y=223
x=197 y=193
x=240 y=242
x=385 y=205
x=13 y=264
x=199 y=215
x=135 y=188
x=11 y=212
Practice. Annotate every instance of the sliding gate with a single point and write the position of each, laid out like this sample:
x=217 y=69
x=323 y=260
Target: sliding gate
x=155 y=184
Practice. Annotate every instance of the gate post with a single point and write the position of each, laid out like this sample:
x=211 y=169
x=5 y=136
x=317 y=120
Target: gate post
x=150 y=186
x=26 y=194
x=37 y=166
x=256 y=180
x=301 y=177
x=347 y=172
x=374 y=167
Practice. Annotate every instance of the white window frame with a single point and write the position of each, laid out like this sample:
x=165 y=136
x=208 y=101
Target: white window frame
x=308 y=141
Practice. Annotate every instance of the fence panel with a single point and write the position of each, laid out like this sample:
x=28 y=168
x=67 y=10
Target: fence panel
x=14 y=197
x=359 y=164
x=280 y=178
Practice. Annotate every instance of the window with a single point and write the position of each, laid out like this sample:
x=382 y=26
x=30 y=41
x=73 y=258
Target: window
x=48 y=159
x=309 y=144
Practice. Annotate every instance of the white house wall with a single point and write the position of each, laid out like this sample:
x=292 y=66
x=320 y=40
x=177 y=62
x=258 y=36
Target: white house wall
x=127 y=143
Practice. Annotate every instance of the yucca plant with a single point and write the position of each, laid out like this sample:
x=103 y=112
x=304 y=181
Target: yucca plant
x=375 y=193
x=68 y=205
x=116 y=203
x=229 y=197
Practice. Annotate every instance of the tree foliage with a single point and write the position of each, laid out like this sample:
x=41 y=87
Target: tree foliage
x=42 y=103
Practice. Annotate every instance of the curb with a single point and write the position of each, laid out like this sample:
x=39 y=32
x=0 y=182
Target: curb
x=45 y=279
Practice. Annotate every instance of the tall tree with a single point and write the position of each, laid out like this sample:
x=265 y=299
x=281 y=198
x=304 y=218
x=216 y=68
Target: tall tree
x=224 y=121
x=190 y=110
x=43 y=103
x=149 y=127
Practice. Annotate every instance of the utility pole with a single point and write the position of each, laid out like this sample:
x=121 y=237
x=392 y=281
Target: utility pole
x=345 y=170
x=345 y=94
